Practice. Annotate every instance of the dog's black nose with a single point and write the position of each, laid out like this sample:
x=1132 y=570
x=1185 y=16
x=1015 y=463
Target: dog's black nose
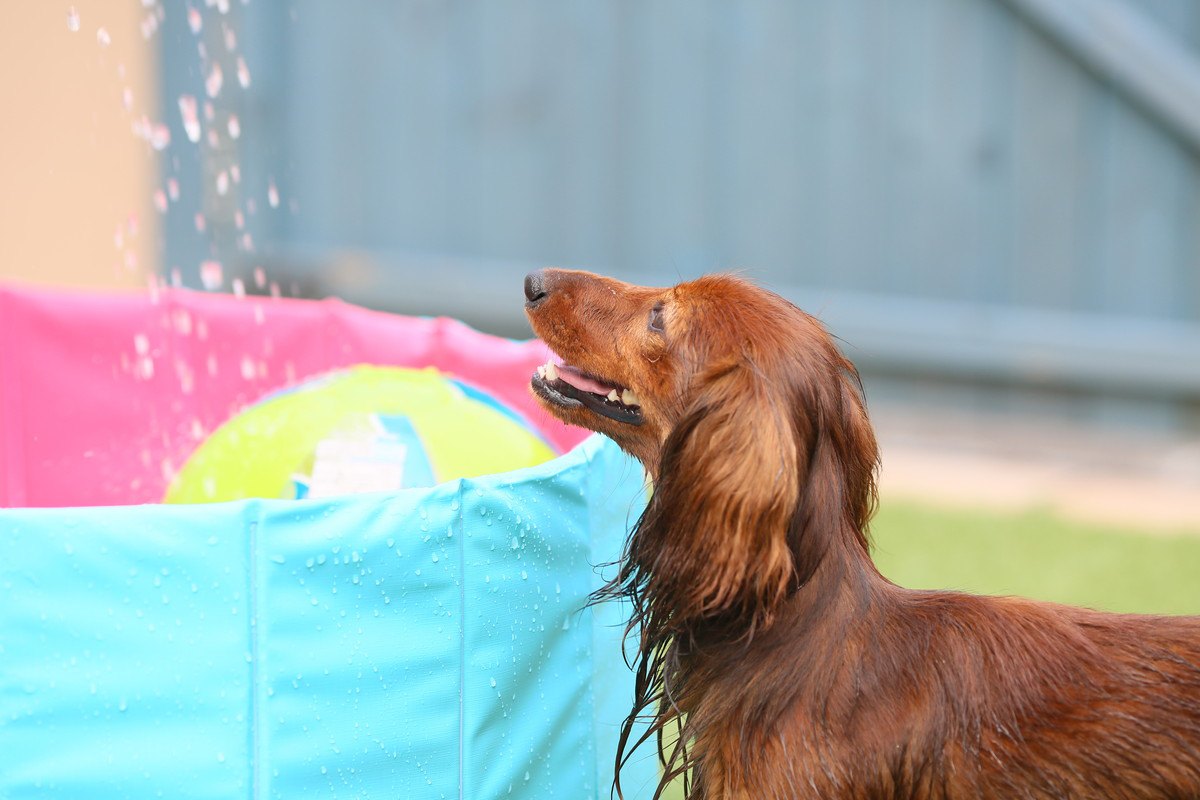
x=535 y=287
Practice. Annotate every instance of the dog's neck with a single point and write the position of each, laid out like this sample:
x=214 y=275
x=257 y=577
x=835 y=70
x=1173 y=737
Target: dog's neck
x=844 y=586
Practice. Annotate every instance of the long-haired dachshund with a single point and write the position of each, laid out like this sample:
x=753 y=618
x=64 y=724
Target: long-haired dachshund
x=791 y=667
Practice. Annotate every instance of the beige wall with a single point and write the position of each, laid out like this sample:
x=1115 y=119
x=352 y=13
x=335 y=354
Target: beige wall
x=76 y=182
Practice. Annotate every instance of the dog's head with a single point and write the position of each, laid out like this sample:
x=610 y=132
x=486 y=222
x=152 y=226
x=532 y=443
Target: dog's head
x=740 y=406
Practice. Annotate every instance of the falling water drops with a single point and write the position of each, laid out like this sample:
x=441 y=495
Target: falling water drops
x=214 y=81
x=234 y=127
x=160 y=201
x=102 y=37
x=272 y=194
x=195 y=21
x=191 y=122
x=239 y=290
x=243 y=73
x=222 y=182
x=149 y=26
x=73 y=19
x=160 y=136
x=211 y=275
x=173 y=189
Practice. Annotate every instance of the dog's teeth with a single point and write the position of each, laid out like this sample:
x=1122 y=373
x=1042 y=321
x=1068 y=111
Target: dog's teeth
x=551 y=372
x=613 y=396
x=629 y=398
x=541 y=371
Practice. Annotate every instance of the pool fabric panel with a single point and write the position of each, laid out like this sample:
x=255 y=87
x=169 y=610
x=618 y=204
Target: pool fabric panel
x=424 y=643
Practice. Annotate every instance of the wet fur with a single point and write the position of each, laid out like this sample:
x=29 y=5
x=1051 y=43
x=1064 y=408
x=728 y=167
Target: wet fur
x=789 y=665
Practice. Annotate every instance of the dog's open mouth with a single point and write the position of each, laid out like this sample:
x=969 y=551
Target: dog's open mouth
x=571 y=387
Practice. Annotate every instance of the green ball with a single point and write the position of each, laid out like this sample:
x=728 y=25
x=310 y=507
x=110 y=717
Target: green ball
x=365 y=428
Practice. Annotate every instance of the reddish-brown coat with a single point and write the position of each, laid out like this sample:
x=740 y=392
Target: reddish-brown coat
x=794 y=669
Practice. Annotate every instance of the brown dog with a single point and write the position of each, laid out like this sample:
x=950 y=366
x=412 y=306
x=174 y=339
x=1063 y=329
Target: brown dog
x=791 y=666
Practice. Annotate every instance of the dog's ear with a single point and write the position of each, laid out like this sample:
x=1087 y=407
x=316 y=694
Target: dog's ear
x=715 y=536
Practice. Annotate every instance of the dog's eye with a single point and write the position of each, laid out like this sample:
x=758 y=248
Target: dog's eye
x=656 y=322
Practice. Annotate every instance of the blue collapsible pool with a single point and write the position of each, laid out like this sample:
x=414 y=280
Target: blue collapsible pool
x=421 y=643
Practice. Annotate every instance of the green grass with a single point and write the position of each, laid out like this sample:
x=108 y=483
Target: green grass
x=1035 y=554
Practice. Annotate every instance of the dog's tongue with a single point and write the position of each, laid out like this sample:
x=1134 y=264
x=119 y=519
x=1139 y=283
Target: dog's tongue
x=573 y=376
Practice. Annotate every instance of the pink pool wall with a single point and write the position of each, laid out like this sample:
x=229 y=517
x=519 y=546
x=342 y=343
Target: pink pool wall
x=103 y=397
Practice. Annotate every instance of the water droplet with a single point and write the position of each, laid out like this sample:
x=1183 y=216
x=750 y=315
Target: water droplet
x=195 y=21
x=234 y=126
x=248 y=370
x=260 y=277
x=222 y=182
x=272 y=194
x=73 y=19
x=191 y=122
x=141 y=344
x=160 y=201
x=123 y=705
x=102 y=37
x=239 y=290
x=243 y=73
x=201 y=222
x=230 y=37
x=524 y=575
x=516 y=545
x=149 y=26
x=221 y=757
x=214 y=81
x=160 y=136
x=173 y=189
x=211 y=275
x=493 y=682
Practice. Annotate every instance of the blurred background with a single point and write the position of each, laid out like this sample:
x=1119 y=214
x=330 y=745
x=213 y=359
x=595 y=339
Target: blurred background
x=993 y=203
